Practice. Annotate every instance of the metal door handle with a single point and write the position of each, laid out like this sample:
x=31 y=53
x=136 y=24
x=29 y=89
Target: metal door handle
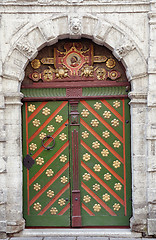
x=49 y=147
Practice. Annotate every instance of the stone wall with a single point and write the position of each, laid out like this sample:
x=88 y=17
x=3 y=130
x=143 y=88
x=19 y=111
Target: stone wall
x=128 y=28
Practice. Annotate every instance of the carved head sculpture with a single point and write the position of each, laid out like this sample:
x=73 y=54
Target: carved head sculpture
x=75 y=25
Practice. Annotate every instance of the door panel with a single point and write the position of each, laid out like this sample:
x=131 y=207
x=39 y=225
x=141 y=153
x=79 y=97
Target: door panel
x=89 y=163
x=105 y=155
x=46 y=191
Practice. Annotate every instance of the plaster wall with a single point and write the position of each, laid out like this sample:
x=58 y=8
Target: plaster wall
x=128 y=28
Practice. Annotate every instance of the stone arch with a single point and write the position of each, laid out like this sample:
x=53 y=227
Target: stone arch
x=48 y=32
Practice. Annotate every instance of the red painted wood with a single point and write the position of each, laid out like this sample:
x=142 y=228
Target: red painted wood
x=76 y=210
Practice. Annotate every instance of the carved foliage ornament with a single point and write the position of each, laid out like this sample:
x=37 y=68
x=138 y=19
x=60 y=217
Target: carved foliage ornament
x=74 y=61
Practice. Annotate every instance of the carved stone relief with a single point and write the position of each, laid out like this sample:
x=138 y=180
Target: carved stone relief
x=125 y=47
x=25 y=48
x=75 y=25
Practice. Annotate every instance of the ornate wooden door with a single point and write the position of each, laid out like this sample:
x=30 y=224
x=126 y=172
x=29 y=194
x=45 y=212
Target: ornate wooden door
x=46 y=171
x=105 y=162
x=77 y=163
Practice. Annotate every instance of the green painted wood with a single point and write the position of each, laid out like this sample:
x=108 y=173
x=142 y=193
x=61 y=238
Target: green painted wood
x=45 y=194
x=99 y=171
x=104 y=91
x=44 y=92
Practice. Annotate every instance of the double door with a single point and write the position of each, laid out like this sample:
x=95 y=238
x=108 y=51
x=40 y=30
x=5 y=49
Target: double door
x=77 y=163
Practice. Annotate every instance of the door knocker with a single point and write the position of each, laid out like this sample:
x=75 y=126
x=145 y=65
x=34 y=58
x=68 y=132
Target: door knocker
x=48 y=147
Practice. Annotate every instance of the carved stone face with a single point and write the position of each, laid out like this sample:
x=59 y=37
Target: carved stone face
x=47 y=75
x=75 y=25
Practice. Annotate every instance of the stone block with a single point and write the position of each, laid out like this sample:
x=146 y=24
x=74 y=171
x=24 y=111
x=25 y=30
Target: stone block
x=11 y=85
x=27 y=238
x=14 y=164
x=151 y=192
x=151 y=223
x=139 y=195
x=3 y=226
x=135 y=63
x=2 y=165
x=113 y=37
x=61 y=238
x=93 y=238
x=101 y=31
x=152 y=179
x=36 y=38
x=140 y=84
x=89 y=25
x=13 y=114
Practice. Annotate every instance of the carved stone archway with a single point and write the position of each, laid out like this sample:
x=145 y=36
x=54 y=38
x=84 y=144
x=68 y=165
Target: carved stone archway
x=25 y=48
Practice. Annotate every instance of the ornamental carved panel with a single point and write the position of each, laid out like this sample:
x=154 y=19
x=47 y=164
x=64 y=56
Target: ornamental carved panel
x=74 y=61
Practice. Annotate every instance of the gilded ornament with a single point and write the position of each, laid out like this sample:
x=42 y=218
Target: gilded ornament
x=97 y=207
x=116 y=104
x=86 y=198
x=117 y=186
x=106 y=197
x=116 y=206
x=116 y=144
x=36 y=123
x=96 y=187
x=63 y=158
x=47 y=74
x=86 y=176
x=50 y=193
x=31 y=108
x=115 y=122
x=100 y=59
x=39 y=161
x=61 y=72
x=110 y=63
x=87 y=71
x=113 y=75
x=35 y=76
x=61 y=201
x=116 y=164
x=107 y=114
x=53 y=211
x=59 y=118
x=105 y=152
x=97 y=168
x=37 y=187
x=94 y=123
x=49 y=172
x=86 y=157
x=46 y=111
x=95 y=145
x=101 y=74
x=64 y=179
x=42 y=135
x=85 y=134
x=33 y=146
x=97 y=105
x=106 y=134
x=35 y=63
x=85 y=113
x=63 y=136
x=107 y=176
x=50 y=128
x=37 y=206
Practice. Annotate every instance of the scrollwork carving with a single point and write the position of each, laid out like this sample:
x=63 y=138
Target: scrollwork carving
x=24 y=47
x=125 y=47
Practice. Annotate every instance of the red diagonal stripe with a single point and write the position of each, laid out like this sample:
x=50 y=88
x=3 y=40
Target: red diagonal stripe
x=49 y=162
x=102 y=183
x=54 y=199
x=87 y=210
x=37 y=111
x=49 y=140
x=124 y=155
x=102 y=120
x=98 y=200
x=49 y=183
x=64 y=209
x=112 y=110
x=102 y=162
x=101 y=140
x=47 y=121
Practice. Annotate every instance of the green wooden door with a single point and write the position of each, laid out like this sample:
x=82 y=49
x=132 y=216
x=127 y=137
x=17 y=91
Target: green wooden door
x=90 y=161
x=105 y=162
x=46 y=183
